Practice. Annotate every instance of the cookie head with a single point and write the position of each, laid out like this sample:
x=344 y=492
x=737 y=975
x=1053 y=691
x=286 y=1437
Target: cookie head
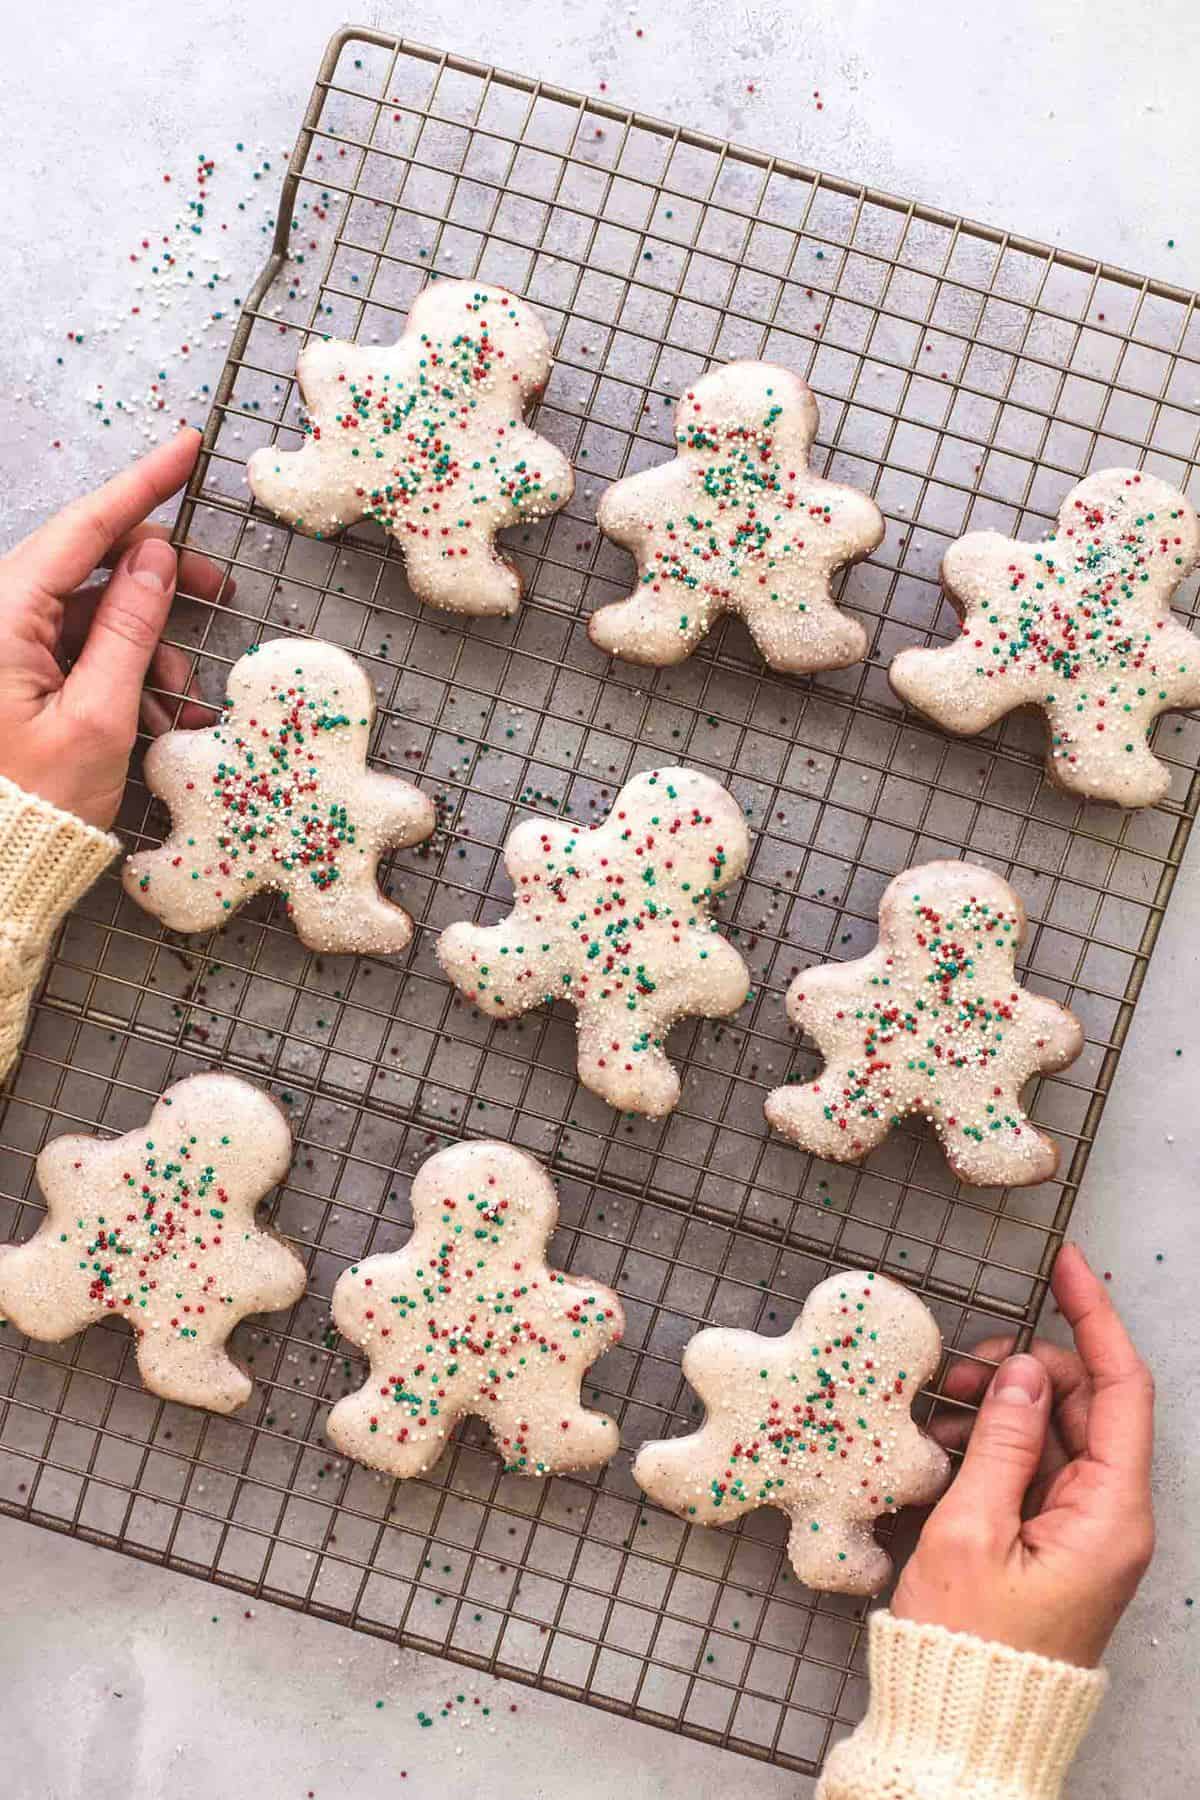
x=817 y=1423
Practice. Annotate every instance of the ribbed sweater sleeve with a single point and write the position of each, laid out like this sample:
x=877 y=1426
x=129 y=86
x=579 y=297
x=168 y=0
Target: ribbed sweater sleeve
x=48 y=859
x=949 y=1715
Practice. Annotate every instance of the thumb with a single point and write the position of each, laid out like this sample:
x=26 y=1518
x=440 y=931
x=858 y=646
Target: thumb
x=125 y=631
x=1006 y=1444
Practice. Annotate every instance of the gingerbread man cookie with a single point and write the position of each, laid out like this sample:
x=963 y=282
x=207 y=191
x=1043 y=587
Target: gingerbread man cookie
x=738 y=523
x=816 y=1422
x=428 y=438
x=469 y=1318
x=279 y=795
x=616 y=919
x=158 y=1227
x=932 y=1021
x=1078 y=624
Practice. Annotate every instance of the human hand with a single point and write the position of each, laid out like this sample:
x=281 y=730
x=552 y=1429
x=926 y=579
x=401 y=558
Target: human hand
x=1043 y=1536
x=75 y=657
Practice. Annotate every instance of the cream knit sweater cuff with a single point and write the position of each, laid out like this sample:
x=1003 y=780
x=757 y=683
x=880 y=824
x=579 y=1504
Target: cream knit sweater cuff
x=951 y=1715
x=48 y=858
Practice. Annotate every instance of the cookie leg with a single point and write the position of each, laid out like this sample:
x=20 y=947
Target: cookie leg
x=371 y=1429
x=802 y=643
x=690 y=1475
x=482 y=581
x=194 y=1370
x=635 y=1076
x=547 y=1438
x=1018 y=1156
x=805 y=1115
x=349 y=920
x=1120 y=766
x=655 y=629
x=837 y=1556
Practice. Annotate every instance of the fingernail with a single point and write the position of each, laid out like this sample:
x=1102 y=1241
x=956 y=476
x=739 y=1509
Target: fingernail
x=1019 y=1381
x=152 y=564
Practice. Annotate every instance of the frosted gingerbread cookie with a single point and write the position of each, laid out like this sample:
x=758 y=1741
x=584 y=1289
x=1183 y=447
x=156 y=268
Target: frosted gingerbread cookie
x=428 y=438
x=932 y=1021
x=158 y=1228
x=616 y=919
x=1078 y=624
x=469 y=1318
x=816 y=1422
x=279 y=796
x=738 y=523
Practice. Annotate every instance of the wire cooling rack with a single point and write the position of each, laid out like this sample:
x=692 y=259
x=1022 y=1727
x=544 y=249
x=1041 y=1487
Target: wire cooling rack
x=966 y=377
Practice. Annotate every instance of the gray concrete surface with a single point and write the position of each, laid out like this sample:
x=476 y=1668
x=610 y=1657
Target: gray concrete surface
x=1073 y=123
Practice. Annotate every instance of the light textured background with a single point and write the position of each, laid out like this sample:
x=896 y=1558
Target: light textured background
x=1071 y=122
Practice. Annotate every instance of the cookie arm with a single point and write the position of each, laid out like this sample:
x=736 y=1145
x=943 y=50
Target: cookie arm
x=968 y=685
x=808 y=1117
x=712 y=983
x=40 y=1288
x=179 y=769
x=317 y=488
x=399 y=814
x=662 y=621
x=1057 y=1032
x=48 y=860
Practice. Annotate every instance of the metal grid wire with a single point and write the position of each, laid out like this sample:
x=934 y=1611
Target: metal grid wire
x=966 y=377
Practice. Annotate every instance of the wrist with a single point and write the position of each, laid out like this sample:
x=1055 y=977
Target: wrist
x=960 y=1717
x=48 y=858
x=1057 y=1618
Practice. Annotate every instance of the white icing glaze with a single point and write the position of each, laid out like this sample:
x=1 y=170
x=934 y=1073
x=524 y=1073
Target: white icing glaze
x=932 y=1021
x=279 y=796
x=469 y=1318
x=427 y=437
x=1078 y=624
x=616 y=919
x=737 y=522
x=157 y=1227
x=816 y=1422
